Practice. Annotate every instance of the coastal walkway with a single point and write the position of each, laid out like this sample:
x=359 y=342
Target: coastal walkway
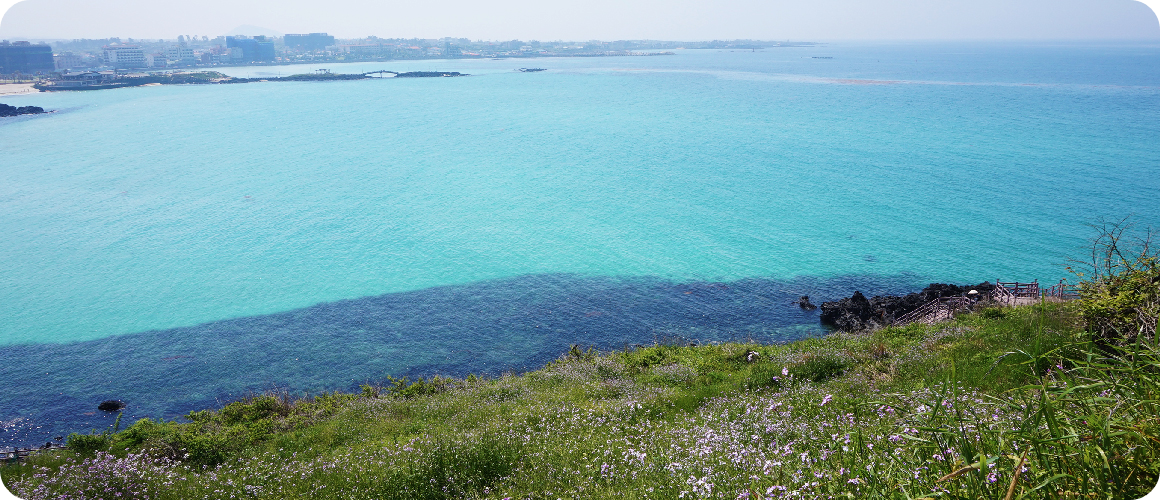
x=1008 y=293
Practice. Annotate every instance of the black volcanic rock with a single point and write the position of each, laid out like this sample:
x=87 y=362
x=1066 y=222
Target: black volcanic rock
x=6 y=110
x=111 y=405
x=804 y=303
x=851 y=313
x=857 y=313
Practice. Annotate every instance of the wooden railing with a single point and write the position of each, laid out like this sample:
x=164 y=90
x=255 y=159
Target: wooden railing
x=1063 y=291
x=935 y=310
x=1002 y=294
x=1009 y=291
x=1005 y=291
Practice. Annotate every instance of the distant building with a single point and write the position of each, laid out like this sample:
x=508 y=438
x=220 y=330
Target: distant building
x=125 y=56
x=67 y=60
x=85 y=79
x=256 y=49
x=26 y=58
x=311 y=42
x=180 y=55
x=156 y=60
x=265 y=49
x=365 y=49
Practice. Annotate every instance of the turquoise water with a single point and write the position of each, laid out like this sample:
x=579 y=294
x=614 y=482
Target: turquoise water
x=137 y=220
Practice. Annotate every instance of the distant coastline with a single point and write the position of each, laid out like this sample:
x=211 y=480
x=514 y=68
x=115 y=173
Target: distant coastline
x=101 y=81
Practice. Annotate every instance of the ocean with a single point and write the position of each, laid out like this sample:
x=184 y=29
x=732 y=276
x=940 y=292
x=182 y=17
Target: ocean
x=177 y=247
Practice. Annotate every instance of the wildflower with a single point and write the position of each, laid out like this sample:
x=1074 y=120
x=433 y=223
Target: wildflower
x=827 y=399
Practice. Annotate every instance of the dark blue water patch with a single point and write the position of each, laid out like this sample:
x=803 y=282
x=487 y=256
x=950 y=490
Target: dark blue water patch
x=484 y=328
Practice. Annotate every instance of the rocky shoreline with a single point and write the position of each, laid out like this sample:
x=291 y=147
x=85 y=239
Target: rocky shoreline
x=7 y=110
x=857 y=313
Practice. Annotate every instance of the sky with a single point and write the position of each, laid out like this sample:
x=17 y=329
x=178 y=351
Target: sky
x=590 y=19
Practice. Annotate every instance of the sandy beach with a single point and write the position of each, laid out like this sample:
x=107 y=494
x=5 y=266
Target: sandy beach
x=16 y=88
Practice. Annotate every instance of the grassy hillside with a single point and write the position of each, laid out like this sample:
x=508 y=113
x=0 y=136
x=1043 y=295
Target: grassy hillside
x=1004 y=403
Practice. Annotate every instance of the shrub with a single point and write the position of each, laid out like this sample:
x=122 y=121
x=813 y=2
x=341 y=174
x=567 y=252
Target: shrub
x=86 y=444
x=405 y=388
x=1120 y=297
x=89 y=444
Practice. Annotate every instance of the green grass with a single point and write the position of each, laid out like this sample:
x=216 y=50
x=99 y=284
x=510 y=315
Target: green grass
x=954 y=410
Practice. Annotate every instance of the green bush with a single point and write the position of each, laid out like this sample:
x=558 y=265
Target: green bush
x=405 y=388
x=1120 y=297
x=89 y=444
x=86 y=444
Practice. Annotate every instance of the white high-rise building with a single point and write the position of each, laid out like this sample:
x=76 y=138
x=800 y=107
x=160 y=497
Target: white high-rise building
x=66 y=60
x=124 y=56
x=180 y=55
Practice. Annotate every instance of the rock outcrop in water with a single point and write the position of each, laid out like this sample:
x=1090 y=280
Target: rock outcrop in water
x=7 y=110
x=111 y=405
x=857 y=313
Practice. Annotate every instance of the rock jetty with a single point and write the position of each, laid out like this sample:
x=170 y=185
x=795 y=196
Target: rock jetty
x=857 y=313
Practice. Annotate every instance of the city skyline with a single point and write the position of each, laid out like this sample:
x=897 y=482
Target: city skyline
x=640 y=19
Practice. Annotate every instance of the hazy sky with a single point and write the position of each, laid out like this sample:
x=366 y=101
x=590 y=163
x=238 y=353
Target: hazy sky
x=590 y=19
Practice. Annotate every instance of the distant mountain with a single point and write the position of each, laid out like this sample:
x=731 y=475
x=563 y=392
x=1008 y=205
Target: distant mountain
x=251 y=30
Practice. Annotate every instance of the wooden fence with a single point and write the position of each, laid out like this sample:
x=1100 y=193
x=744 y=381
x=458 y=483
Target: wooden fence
x=939 y=309
x=1010 y=292
x=1063 y=291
